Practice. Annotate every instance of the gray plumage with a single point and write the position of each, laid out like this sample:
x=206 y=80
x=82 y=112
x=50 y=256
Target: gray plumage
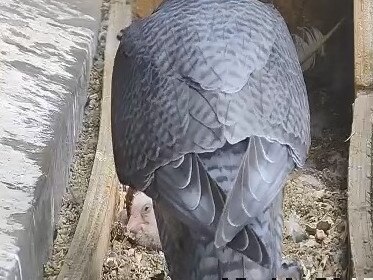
x=209 y=116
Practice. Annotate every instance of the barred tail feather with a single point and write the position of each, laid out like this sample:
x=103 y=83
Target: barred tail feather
x=193 y=257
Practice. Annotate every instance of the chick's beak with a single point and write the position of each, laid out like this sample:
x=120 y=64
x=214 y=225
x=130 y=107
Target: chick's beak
x=134 y=224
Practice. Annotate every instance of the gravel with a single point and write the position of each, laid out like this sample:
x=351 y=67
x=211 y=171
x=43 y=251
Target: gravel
x=80 y=170
x=128 y=260
x=315 y=208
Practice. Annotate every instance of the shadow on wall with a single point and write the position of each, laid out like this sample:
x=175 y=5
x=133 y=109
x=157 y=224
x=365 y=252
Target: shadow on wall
x=331 y=82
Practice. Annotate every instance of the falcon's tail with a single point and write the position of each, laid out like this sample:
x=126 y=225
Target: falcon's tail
x=192 y=257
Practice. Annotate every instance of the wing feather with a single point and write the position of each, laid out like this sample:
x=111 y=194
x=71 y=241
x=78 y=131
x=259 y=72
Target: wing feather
x=200 y=204
x=261 y=176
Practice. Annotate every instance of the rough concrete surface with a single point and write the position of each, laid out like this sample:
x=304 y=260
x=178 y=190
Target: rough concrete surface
x=46 y=49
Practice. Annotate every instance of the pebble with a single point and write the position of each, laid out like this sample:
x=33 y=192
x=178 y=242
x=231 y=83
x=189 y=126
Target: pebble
x=323 y=225
x=320 y=235
x=111 y=262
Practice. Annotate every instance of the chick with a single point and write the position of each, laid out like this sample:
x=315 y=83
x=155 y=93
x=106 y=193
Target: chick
x=141 y=222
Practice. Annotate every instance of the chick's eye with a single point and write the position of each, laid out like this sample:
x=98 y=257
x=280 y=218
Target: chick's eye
x=146 y=209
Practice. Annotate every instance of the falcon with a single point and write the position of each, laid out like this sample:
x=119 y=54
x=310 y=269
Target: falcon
x=209 y=116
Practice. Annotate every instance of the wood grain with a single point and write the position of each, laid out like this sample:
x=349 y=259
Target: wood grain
x=363 y=21
x=360 y=157
x=85 y=257
x=360 y=187
x=143 y=8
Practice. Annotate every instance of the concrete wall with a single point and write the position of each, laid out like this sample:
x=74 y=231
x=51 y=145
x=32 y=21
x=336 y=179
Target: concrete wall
x=46 y=49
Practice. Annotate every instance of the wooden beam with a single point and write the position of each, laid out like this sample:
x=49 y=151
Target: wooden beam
x=85 y=257
x=360 y=187
x=143 y=8
x=363 y=22
x=360 y=157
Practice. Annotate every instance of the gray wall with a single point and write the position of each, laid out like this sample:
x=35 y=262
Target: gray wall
x=46 y=49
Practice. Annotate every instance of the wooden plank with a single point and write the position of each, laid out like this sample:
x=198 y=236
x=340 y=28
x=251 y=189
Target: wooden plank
x=85 y=257
x=360 y=158
x=143 y=8
x=360 y=187
x=363 y=21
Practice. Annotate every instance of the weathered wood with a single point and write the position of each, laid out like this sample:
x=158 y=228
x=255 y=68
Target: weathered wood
x=360 y=187
x=86 y=253
x=360 y=158
x=363 y=21
x=143 y=8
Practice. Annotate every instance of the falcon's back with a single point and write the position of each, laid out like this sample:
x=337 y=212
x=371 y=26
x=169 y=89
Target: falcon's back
x=209 y=115
x=233 y=61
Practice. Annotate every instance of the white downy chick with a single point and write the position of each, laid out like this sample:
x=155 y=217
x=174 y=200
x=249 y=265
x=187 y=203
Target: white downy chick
x=142 y=222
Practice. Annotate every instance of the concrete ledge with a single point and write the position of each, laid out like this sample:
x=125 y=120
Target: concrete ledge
x=46 y=49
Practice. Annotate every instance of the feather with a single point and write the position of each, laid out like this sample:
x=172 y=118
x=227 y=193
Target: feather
x=310 y=44
x=201 y=260
x=254 y=188
x=199 y=202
